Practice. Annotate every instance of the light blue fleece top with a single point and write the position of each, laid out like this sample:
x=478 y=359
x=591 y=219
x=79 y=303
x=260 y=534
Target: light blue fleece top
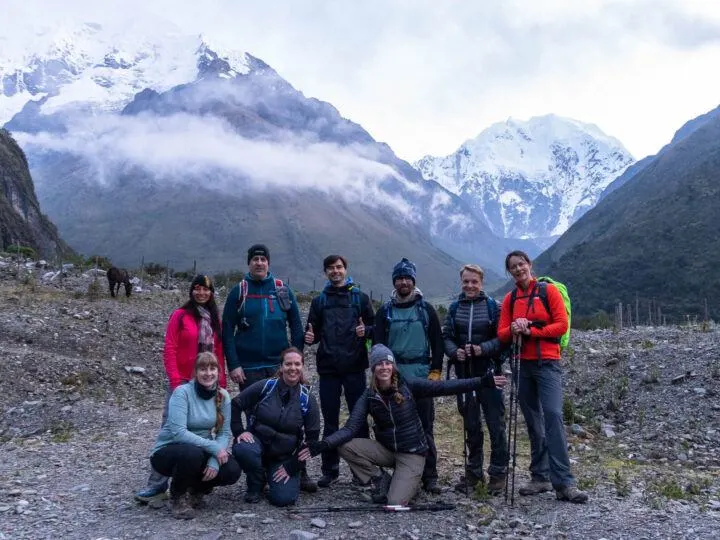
x=191 y=419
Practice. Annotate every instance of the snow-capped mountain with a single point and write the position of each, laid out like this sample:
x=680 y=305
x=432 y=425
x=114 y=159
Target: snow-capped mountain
x=137 y=127
x=531 y=179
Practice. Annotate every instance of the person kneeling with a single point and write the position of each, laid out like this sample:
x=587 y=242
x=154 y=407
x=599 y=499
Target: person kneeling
x=270 y=448
x=399 y=438
x=192 y=444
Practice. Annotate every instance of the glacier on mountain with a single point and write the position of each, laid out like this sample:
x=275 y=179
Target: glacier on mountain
x=531 y=179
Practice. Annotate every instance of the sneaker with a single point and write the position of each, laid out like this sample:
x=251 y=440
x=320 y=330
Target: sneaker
x=327 y=479
x=253 y=497
x=496 y=483
x=431 y=486
x=468 y=482
x=380 y=488
x=181 y=508
x=152 y=493
x=571 y=494
x=307 y=484
x=535 y=488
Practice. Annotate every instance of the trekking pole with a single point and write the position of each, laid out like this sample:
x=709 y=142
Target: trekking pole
x=465 y=401
x=433 y=507
x=512 y=417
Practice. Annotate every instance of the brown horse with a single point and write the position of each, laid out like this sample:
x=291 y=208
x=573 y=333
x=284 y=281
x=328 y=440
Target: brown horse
x=116 y=277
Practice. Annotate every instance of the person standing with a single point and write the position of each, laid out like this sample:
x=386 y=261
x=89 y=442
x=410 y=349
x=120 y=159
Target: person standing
x=471 y=342
x=341 y=320
x=257 y=315
x=409 y=327
x=536 y=318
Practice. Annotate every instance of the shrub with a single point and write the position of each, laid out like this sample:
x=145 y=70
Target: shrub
x=22 y=251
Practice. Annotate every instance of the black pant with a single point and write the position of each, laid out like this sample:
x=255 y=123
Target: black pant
x=331 y=386
x=185 y=463
x=255 y=375
x=490 y=402
x=426 y=411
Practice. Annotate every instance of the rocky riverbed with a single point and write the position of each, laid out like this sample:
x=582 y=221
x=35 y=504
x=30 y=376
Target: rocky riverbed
x=81 y=397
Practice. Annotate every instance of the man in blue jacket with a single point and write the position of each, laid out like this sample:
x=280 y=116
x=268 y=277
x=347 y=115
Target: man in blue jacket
x=341 y=320
x=258 y=312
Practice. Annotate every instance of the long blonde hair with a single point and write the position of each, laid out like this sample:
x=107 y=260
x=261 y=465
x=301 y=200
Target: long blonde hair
x=208 y=359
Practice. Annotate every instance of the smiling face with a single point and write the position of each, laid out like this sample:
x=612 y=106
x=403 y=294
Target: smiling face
x=201 y=294
x=259 y=267
x=207 y=374
x=292 y=368
x=471 y=283
x=404 y=285
x=520 y=269
x=336 y=273
x=383 y=373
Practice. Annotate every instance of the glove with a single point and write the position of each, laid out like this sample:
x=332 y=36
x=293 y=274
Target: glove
x=317 y=447
x=434 y=375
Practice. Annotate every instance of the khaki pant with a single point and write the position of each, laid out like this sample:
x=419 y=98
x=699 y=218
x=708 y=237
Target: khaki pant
x=364 y=456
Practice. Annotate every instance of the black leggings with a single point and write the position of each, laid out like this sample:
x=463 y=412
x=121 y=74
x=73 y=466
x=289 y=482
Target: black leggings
x=185 y=463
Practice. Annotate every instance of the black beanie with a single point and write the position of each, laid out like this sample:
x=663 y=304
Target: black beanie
x=202 y=279
x=258 y=249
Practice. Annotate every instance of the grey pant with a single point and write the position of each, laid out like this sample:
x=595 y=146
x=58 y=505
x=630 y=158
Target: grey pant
x=541 y=399
x=365 y=456
x=156 y=479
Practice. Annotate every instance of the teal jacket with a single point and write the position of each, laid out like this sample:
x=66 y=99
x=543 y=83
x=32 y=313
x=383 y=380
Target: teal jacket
x=191 y=420
x=259 y=343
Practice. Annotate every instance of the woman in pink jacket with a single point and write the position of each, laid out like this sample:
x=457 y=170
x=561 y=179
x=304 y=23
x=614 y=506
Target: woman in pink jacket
x=193 y=328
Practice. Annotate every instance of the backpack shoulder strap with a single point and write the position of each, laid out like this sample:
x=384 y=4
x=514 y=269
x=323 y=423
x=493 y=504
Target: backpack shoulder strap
x=270 y=385
x=304 y=399
x=422 y=312
x=242 y=294
x=543 y=295
x=356 y=300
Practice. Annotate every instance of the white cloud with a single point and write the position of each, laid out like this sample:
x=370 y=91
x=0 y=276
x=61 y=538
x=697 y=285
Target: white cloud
x=188 y=148
x=425 y=75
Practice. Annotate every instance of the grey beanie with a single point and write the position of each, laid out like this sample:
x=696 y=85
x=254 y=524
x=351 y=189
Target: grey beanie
x=380 y=353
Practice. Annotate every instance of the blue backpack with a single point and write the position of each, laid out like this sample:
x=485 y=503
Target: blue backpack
x=355 y=300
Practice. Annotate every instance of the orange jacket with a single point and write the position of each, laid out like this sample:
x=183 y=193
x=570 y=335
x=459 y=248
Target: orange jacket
x=542 y=342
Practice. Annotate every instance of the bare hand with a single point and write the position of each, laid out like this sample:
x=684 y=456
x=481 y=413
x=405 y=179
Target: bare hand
x=360 y=328
x=246 y=436
x=238 y=375
x=500 y=381
x=208 y=474
x=473 y=350
x=520 y=326
x=304 y=454
x=222 y=456
x=309 y=335
x=281 y=475
x=460 y=354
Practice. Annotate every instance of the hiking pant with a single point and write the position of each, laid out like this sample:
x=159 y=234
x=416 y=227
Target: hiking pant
x=541 y=398
x=365 y=456
x=426 y=411
x=186 y=463
x=331 y=386
x=258 y=472
x=487 y=402
x=157 y=480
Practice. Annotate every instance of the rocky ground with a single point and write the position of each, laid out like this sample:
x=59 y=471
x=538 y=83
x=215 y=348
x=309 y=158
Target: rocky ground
x=80 y=403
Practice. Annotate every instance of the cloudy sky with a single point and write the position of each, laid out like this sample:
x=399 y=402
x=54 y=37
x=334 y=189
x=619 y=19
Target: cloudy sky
x=425 y=75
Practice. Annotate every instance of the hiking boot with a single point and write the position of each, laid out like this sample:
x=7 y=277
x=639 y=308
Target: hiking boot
x=535 y=487
x=359 y=483
x=327 y=479
x=468 y=482
x=181 y=508
x=152 y=493
x=307 y=484
x=380 y=488
x=571 y=494
x=431 y=486
x=253 y=497
x=496 y=483
x=197 y=499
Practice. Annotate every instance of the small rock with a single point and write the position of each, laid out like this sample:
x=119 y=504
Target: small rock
x=607 y=430
x=318 y=522
x=66 y=408
x=267 y=521
x=355 y=524
x=134 y=369
x=297 y=534
x=700 y=391
x=677 y=380
x=244 y=516
x=4 y=508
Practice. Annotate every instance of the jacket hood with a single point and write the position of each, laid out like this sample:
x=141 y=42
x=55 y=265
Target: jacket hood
x=415 y=295
x=349 y=284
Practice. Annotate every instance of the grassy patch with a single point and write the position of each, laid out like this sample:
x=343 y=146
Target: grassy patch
x=61 y=431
